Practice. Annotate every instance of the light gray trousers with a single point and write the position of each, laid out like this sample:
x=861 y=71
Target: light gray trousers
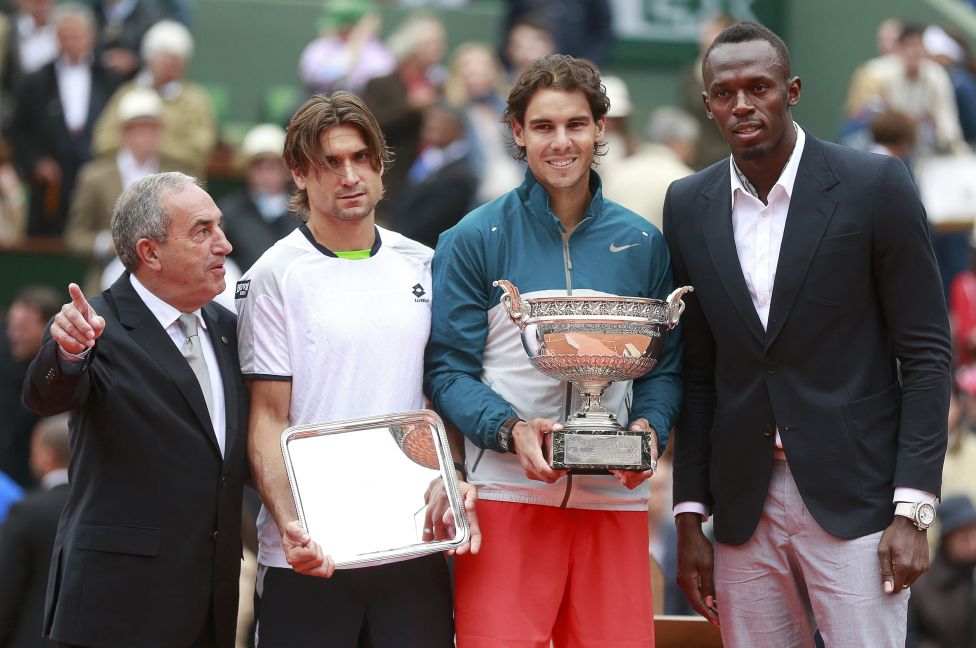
x=792 y=577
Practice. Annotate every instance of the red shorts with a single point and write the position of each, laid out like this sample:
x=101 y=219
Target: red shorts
x=579 y=578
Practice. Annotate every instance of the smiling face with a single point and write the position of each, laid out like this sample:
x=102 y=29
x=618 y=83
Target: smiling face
x=190 y=264
x=749 y=96
x=559 y=135
x=349 y=187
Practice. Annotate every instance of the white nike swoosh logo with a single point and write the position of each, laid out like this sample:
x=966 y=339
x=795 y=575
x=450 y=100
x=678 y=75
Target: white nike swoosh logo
x=614 y=248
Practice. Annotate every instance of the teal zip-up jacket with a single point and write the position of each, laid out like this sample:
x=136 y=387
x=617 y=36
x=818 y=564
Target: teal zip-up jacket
x=477 y=373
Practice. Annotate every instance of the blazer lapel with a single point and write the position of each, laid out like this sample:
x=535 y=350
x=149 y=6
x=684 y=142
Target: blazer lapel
x=228 y=369
x=715 y=215
x=811 y=207
x=147 y=332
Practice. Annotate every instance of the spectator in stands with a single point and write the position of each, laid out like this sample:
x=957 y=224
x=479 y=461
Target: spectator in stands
x=122 y=25
x=440 y=184
x=711 y=146
x=962 y=309
x=348 y=52
x=921 y=88
x=580 y=28
x=29 y=43
x=189 y=124
x=10 y=492
x=27 y=539
x=12 y=196
x=476 y=86
x=942 y=609
x=952 y=52
x=641 y=181
x=52 y=126
x=399 y=99
x=88 y=235
x=621 y=143
x=893 y=133
x=528 y=40
x=30 y=311
x=959 y=470
x=258 y=215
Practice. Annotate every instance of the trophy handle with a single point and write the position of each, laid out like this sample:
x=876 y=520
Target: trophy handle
x=512 y=303
x=675 y=306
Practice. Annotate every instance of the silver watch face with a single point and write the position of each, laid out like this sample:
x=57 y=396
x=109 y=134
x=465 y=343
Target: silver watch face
x=925 y=515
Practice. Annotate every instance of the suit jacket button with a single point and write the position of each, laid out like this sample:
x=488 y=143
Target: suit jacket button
x=214 y=536
x=769 y=430
x=50 y=376
x=223 y=481
x=771 y=368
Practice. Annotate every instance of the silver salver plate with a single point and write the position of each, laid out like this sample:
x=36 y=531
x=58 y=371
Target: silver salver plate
x=359 y=485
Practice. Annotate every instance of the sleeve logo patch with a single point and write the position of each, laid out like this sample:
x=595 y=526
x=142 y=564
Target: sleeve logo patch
x=240 y=290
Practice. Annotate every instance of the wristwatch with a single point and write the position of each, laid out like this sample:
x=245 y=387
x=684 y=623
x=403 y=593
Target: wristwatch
x=922 y=514
x=504 y=434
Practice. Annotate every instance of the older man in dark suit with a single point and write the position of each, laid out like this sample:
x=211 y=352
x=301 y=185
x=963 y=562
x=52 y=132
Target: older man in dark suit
x=816 y=370
x=27 y=538
x=148 y=548
x=51 y=130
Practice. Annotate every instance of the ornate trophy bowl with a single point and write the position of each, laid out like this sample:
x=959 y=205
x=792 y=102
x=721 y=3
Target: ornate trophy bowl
x=592 y=342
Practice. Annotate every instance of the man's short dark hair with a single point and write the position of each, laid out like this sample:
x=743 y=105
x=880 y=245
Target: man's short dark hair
x=747 y=32
x=43 y=299
x=910 y=30
x=557 y=72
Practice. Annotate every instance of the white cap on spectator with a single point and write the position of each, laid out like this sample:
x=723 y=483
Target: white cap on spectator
x=139 y=102
x=620 y=104
x=263 y=139
x=167 y=37
x=938 y=43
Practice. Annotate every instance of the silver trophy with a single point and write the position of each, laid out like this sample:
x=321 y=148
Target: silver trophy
x=594 y=341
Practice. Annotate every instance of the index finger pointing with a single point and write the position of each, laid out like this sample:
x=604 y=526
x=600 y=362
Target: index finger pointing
x=78 y=299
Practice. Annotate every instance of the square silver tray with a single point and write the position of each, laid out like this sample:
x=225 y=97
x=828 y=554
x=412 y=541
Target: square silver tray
x=359 y=485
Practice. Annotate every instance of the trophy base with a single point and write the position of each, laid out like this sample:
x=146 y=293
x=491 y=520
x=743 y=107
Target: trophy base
x=598 y=451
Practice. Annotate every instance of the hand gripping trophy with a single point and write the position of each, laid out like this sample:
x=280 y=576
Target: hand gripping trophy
x=594 y=341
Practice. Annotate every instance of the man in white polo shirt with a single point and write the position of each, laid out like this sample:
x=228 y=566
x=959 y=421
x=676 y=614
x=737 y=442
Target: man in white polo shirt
x=333 y=323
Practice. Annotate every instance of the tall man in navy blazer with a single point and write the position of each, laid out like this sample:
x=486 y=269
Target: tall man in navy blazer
x=816 y=370
x=148 y=549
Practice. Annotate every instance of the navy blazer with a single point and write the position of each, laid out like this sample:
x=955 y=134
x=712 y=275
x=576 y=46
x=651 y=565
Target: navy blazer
x=856 y=295
x=149 y=542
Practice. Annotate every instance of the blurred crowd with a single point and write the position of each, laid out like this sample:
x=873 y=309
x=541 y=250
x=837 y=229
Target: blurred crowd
x=95 y=94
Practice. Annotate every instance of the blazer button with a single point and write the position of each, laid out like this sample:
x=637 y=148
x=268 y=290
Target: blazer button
x=50 y=376
x=769 y=430
x=771 y=368
x=214 y=536
x=223 y=481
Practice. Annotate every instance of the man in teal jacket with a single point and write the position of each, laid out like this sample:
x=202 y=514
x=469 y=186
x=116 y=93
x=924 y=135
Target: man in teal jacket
x=565 y=556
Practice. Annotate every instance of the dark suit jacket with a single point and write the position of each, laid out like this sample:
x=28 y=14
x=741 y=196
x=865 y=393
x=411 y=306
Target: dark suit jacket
x=149 y=542
x=424 y=210
x=248 y=231
x=38 y=130
x=26 y=543
x=856 y=291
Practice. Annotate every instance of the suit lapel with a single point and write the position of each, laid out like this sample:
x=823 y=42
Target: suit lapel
x=228 y=369
x=811 y=207
x=145 y=329
x=715 y=215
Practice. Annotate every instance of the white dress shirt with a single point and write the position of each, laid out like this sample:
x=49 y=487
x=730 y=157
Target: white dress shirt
x=169 y=319
x=74 y=87
x=758 y=231
x=37 y=45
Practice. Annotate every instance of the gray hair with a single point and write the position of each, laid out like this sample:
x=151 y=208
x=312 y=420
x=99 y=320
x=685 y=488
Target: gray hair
x=140 y=214
x=411 y=34
x=54 y=435
x=670 y=124
x=167 y=37
x=73 y=10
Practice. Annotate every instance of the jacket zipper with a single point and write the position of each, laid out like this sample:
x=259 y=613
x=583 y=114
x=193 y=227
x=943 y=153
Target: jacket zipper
x=568 y=265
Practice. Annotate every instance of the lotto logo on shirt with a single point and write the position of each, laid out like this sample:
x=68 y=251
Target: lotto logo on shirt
x=419 y=292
